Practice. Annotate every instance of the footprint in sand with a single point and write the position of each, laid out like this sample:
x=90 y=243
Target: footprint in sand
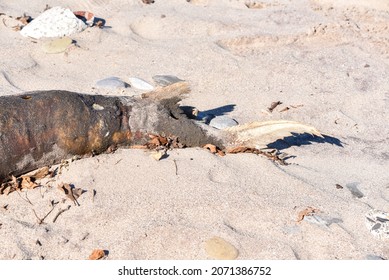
x=171 y=27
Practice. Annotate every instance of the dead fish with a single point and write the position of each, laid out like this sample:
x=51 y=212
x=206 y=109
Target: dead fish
x=43 y=128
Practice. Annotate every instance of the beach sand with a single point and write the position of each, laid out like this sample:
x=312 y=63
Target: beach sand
x=326 y=60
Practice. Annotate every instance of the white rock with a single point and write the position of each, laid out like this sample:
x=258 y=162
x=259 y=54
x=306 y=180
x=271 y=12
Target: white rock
x=55 y=22
x=140 y=84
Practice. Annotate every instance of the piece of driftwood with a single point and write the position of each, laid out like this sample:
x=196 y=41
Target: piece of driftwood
x=43 y=128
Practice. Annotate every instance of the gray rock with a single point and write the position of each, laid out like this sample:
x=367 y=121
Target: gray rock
x=374 y=258
x=352 y=187
x=221 y=122
x=111 y=83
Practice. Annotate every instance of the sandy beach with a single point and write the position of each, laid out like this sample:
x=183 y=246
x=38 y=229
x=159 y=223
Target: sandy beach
x=325 y=61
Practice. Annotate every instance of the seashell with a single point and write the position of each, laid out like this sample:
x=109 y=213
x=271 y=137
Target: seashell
x=111 y=83
x=55 y=22
x=377 y=222
x=57 y=45
x=222 y=122
x=140 y=84
x=165 y=80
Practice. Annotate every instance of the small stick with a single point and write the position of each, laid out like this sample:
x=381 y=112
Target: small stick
x=40 y=221
x=175 y=164
x=60 y=212
x=25 y=199
x=93 y=195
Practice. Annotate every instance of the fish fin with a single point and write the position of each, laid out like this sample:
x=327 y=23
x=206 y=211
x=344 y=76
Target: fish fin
x=260 y=134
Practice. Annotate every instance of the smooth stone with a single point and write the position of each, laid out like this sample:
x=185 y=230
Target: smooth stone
x=374 y=258
x=221 y=122
x=220 y=249
x=165 y=80
x=140 y=84
x=57 y=45
x=55 y=22
x=111 y=83
x=352 y=187
x=315 y=219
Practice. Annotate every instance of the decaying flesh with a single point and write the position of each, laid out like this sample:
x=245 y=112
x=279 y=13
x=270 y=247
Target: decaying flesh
x=43 y=128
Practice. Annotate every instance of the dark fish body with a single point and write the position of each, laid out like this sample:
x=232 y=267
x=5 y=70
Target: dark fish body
x=42 y=128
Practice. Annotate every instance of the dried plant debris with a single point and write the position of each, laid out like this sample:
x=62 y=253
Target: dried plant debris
x=287 y=108
x=20 y=21
x=254 y=5
x=71 y=192
x=60 y=212
x=26 y=181
x=309 y=211
x=214 y=149
x=25 y=19
x=147 y=2
x=273 y=155
x=159 y=142
x=274 y=105
x=41 y=220
x=97 y=254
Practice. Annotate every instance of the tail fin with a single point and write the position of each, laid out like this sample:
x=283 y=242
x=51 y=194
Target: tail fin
x=259 y=134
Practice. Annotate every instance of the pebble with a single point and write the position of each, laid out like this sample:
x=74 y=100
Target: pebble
x=165 y=80
x=111 y=83
x=57 y=45
x=140 y=84
x=377 y=222
x=222 y=122
x=374 y=258
x=220 y=249
x=55 y=22
x=352 y=187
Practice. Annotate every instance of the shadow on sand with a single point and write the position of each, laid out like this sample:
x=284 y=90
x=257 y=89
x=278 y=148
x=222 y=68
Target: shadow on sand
x=297 y=139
